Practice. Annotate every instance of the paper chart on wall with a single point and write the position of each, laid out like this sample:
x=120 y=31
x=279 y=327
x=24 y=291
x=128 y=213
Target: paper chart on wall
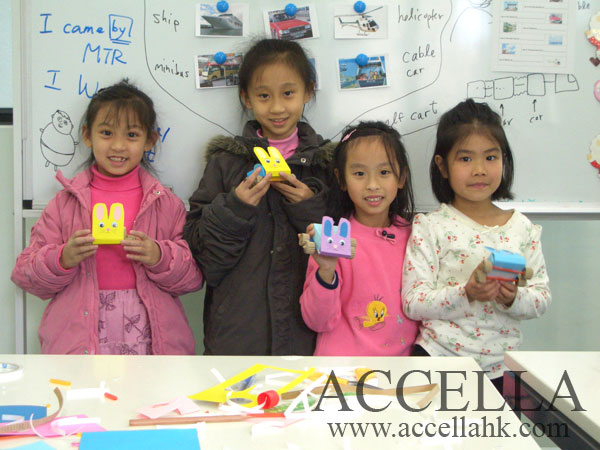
x=531 y=36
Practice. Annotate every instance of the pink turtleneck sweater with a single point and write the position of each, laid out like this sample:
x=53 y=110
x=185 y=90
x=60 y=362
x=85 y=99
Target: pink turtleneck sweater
x=287 y=147
x=114 y=270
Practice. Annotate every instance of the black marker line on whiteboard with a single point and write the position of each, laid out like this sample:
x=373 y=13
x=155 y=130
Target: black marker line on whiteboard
x=408 y=93
x=167 y=92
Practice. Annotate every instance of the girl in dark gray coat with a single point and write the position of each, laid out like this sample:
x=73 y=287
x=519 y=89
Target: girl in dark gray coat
x=243 y=229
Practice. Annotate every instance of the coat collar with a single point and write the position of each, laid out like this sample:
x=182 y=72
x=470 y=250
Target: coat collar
x=79 y=185
x=243 y=146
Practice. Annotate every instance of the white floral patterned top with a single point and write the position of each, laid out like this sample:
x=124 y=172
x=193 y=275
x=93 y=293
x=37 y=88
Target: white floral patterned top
x=444 y=249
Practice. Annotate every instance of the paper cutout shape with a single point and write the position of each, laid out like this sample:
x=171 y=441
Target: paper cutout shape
x=108 y=228
x=62 y=426
x=594 y=154
x=25 y=411
x=35 y=446
x=147 y=439
x=593 y=34
x=10 y=428
x=182 y=405
x=272 y=162
x=220 y=394
x=329 y=240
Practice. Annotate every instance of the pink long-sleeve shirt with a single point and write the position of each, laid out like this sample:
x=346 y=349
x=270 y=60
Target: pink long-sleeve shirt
x=361 y=313
x=113 y=268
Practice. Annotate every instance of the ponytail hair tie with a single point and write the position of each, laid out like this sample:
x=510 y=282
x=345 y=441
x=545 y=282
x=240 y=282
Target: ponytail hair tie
x=345 y=138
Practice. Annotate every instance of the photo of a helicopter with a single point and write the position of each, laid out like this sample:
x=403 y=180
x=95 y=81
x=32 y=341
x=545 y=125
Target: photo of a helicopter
x=362 y=21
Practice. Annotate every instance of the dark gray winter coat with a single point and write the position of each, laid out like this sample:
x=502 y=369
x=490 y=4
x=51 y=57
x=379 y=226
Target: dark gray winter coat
x=250 y=257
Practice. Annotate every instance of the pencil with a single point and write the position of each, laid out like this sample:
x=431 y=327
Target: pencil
x=208 y=419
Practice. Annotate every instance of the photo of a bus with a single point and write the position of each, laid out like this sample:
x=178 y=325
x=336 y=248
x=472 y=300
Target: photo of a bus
x=213 y=71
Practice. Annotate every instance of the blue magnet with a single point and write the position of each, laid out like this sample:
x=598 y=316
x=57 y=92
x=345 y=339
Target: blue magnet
x=361 y=59
x=222 y=6
x=220 y=57
x=291 y=9
x=360 y=7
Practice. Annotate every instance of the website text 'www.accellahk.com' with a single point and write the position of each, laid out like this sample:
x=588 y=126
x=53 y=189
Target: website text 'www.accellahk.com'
x=456 y=427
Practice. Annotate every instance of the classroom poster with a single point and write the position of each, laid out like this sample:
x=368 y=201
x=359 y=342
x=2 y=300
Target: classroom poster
x=534 y=36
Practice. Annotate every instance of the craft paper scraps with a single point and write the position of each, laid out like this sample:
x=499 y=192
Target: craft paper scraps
x=61 y=426
x=35 y=446
x=183 y=405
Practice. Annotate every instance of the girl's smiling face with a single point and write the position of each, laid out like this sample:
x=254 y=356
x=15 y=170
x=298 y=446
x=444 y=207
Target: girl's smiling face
x=370 y=180
x=473 y=168
x=277 y=95
x=117 y=141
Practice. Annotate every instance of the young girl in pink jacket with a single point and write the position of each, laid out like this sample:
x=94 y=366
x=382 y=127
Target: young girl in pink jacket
x=354 y=304
x=119 y=298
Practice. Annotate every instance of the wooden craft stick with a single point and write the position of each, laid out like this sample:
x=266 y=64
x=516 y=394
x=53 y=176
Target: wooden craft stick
x=366 y=390
x=197 y=419
x=426 y=399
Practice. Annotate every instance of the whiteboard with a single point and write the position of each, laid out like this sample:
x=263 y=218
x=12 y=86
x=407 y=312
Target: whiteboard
x=437 y=53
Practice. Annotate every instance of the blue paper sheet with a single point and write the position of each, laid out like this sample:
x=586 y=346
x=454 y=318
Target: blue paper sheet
x=180 y=439
x=25 y=411
x=35 y=446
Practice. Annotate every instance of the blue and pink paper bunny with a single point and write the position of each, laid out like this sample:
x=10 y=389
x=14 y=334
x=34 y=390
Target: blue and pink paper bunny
x=330 y=240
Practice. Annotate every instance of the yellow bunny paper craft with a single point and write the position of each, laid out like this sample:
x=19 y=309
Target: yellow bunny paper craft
x=272 y=162
x=108 y=229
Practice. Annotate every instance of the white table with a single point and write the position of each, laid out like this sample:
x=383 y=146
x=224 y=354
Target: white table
x=539 y=384
x=144 y=380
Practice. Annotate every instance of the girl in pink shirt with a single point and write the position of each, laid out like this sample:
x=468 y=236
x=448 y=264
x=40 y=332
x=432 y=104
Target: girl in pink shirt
x=120 y=298
x=354 y=304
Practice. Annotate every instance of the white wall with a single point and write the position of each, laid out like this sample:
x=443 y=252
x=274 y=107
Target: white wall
x=6 y=86
x=7 y=310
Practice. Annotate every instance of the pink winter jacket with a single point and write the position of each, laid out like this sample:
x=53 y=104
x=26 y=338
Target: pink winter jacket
x=70 y=321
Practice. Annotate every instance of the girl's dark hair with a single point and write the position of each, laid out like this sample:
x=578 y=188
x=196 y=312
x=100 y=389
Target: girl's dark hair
x=269 y=51
x=339 y=203
x=122 y=97
x=457 y=124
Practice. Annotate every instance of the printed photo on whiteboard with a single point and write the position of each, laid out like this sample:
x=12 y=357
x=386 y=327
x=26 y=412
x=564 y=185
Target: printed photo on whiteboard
x=231 y=23
x=509 y=49
x=210 y=74
x=370 y=75
x=302 y=25
x=556 y=19
x=534 y=36
x=372 y=23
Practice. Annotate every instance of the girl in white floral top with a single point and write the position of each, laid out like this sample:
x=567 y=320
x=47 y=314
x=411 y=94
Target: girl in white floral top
x=472 y=166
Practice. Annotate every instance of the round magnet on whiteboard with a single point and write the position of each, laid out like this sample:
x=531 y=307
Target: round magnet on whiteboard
x=291 y=9
x=268 y=399
x=360 y=7
x=220 y=57
x=597 y=90
x=222 y=6
x=361 y=59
